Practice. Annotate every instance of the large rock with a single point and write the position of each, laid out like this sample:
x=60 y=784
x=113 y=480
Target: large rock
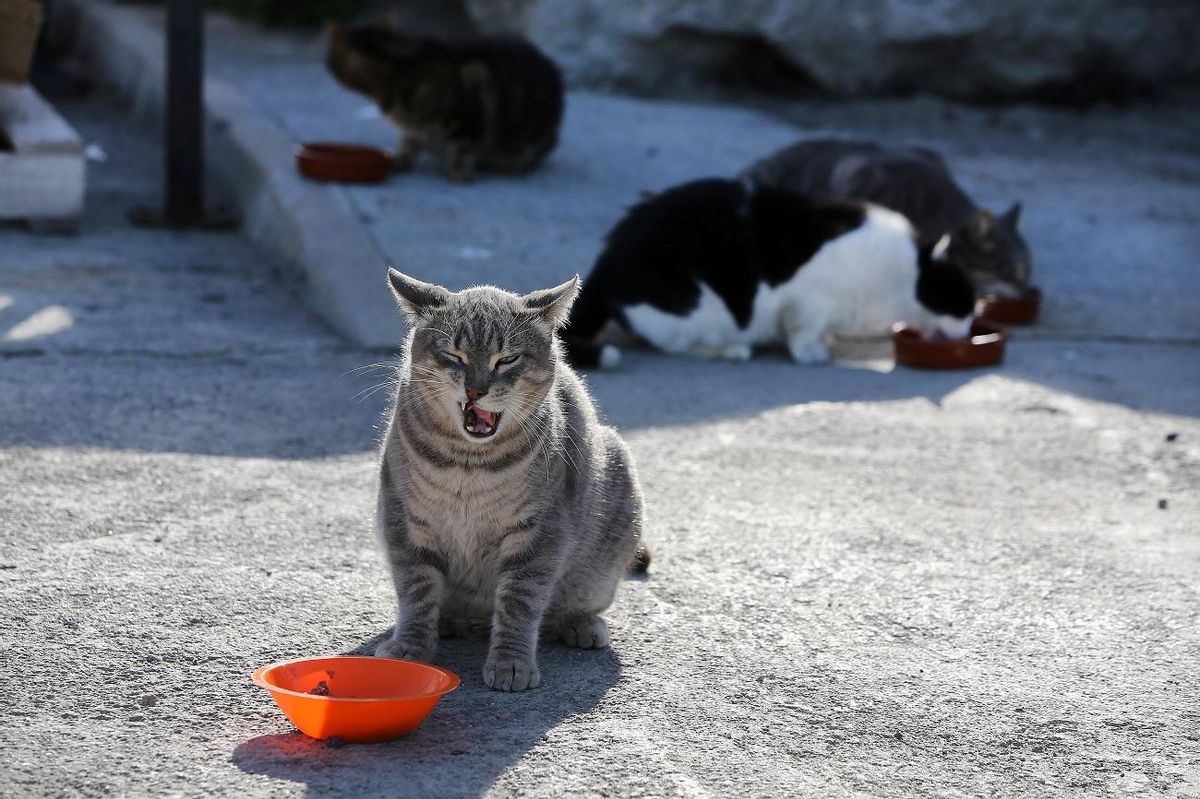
x=978 y=49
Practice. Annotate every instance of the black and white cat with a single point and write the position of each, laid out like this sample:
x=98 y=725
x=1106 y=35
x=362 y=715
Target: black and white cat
x=715 y=267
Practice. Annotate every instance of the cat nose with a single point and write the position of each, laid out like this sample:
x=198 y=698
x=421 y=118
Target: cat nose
x=474 y=393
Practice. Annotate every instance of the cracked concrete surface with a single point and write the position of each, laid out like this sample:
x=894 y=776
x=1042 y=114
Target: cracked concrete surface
x=866 y=583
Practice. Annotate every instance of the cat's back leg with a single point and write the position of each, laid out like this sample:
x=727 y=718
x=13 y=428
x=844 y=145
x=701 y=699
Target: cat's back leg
x=612 y=540
x=583 y=631
x=708 y=330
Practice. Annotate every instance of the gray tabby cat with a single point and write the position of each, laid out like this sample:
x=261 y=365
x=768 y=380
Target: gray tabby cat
x=503 y=502
x=915 y=182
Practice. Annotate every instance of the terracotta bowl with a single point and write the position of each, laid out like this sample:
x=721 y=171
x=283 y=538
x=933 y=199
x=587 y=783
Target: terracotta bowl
x=343 y=163
x=1010 y=310
x=984 y=347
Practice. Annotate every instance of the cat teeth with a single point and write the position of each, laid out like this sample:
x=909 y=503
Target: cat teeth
x=477 y=425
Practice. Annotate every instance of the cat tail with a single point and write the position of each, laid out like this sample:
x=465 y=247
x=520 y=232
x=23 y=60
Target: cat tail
x=641 y=560
x=589 y=314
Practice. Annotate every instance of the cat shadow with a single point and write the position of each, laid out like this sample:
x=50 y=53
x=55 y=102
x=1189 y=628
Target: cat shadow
x=654 y=390
x=469 y=740
x=649 y=389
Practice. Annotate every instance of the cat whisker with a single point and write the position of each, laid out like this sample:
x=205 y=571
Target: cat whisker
x=366 y=393
x=378 y=365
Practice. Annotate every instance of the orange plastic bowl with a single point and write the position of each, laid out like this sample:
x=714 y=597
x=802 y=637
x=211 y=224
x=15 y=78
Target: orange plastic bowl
x=370 y=699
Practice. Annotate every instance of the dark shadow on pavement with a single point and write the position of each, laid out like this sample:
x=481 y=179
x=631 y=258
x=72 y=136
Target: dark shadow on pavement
x=651 y=390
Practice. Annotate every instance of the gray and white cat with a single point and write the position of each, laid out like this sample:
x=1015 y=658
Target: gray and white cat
x=504 y=503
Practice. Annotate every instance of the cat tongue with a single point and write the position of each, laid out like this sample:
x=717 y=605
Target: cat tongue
x=487 y=417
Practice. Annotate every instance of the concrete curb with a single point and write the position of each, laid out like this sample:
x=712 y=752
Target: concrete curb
x=334 y=264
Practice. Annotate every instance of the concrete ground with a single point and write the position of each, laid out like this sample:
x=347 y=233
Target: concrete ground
x=866 y=583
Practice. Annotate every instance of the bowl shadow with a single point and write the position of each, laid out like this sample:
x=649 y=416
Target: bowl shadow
x=469 y=740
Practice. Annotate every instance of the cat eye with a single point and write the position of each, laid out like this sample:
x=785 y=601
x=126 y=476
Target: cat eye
x=450 y=356
x=507 y=360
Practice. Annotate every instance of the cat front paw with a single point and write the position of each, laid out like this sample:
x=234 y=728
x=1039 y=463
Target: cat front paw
x=809 y=352
x=405 y=649
x=511 y=673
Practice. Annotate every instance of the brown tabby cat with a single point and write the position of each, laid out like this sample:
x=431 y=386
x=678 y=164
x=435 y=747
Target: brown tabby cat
x=916 y=182
x=492 y=103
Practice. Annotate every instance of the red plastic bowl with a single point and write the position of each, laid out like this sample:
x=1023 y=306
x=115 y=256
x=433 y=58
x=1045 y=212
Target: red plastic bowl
x=984 y=347
x=343 y=163
x=1011 y=310
x=370 y=699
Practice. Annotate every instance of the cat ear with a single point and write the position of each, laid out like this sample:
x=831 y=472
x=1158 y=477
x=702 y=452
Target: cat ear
x=1011 y=217
x=416 y=297
x=553 y=304
x=981 y=225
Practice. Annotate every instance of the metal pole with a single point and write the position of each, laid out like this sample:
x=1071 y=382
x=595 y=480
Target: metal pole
x=185 y=112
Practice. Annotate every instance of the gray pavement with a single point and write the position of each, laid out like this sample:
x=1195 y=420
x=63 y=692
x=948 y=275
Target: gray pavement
x=867 y=583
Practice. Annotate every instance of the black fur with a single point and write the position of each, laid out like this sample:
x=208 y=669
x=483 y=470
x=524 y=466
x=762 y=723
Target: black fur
x=943 y=287
x=665 y=246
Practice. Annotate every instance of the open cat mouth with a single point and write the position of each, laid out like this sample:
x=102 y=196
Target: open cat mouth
x=477 y=422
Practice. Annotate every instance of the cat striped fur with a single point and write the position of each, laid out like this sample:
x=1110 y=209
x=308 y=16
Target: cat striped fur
x=504 y=504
